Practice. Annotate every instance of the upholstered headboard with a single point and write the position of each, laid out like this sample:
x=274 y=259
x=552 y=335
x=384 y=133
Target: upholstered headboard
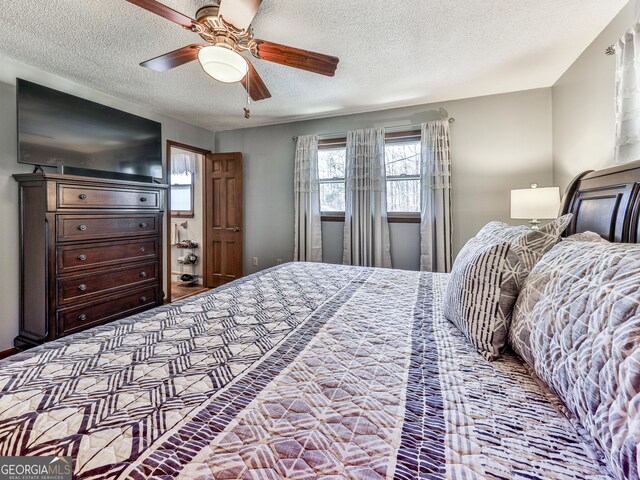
x=606 y=202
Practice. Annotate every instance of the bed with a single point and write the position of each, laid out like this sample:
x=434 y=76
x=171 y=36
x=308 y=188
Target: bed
x=305 y=371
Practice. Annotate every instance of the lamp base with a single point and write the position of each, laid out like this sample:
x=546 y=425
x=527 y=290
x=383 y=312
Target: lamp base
x=535 y=224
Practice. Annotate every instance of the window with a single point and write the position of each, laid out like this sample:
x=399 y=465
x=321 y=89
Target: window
x=402 y=158
x=182 y=195
x=331 y=170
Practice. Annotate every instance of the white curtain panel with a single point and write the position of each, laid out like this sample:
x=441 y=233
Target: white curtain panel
x=435 y=196
x=366 y=231
x=183 y=162
x=308 y=227
x=628 y=95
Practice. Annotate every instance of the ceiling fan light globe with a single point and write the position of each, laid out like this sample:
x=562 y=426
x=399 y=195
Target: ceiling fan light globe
x=223 y=64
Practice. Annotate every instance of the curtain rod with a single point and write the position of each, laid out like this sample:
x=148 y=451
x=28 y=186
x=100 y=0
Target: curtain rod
x=344 y=134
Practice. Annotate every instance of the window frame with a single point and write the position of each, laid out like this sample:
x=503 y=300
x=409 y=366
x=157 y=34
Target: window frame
x=331 y=144
x=403 y=137
x=184 y=213
x=391 y=137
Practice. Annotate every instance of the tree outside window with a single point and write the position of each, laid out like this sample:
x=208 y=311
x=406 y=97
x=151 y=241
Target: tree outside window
x=402 y=159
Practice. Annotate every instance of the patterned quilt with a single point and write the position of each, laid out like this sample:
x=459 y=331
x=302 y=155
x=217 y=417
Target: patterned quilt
x=300 y=372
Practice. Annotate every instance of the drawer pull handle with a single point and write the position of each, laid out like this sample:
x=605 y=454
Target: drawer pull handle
x=143 y=274
x=143 y=225
x=142 y=249
x=143 y=299
x=143 y=199
x=82 y=227
x=82 y=196
x=82 y=258
x=82 y=317
x=82 y=287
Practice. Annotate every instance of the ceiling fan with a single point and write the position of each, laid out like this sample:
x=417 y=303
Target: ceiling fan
x=226 y=27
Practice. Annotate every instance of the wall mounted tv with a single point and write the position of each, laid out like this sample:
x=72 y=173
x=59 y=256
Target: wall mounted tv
x=86 y=138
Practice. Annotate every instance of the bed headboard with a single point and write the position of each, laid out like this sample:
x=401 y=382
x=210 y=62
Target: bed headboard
x=606 y=202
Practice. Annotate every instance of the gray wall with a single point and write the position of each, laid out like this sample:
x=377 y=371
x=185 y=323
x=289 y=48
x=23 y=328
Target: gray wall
x=584 y=106
x=499 y=142
x=171 y=130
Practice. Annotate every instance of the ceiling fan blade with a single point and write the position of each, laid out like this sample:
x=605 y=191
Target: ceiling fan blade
x=164 y=11
x=239 y=13
x=173 y=59
x=256 y=87
x=296 y=57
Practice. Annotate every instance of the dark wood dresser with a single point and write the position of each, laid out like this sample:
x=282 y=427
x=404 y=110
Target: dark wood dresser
x=91 y=252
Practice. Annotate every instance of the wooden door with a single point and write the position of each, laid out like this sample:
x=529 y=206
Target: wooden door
x=223 y=218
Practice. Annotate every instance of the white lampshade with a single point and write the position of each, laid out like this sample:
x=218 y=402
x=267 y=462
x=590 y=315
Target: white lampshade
x=534 y=203
x=223 y=64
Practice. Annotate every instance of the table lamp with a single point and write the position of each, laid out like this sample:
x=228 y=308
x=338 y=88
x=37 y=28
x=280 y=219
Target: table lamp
x=535 y=203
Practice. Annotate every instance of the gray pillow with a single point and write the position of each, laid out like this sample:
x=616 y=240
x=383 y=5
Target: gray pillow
x=577 y=324
x=585 y=237
x=487 y=276
x=530 y=245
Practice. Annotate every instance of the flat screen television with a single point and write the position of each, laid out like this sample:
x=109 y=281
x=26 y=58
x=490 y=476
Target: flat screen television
x=84 y=137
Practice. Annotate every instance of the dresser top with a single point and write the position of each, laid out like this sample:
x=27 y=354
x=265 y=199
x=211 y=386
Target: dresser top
x=58 y=177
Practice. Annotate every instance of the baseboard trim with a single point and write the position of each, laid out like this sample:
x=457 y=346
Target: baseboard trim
x=7 y=353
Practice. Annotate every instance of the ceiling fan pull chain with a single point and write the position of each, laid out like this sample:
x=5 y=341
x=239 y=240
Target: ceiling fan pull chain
x=247 y=111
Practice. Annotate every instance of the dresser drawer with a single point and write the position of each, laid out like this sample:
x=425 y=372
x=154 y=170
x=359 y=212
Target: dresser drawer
x=72 y=196
x=84 y=227
x=85 y=287
x=80 y=257
x=78 y=318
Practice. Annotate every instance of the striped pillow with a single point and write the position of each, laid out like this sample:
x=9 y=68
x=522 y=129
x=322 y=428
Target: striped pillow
x=487 y=276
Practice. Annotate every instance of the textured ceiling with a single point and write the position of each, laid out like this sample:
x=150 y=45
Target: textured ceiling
x=392 y=53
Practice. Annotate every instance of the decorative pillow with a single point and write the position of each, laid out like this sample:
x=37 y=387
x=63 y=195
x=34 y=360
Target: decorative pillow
x=481 y=292
x=585 y=237
x=530 y=245
x=487 y=276
x=577 y=324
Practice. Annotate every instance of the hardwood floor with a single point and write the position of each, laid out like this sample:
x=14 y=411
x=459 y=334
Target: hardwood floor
x=7 y=353
x=179 y=292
